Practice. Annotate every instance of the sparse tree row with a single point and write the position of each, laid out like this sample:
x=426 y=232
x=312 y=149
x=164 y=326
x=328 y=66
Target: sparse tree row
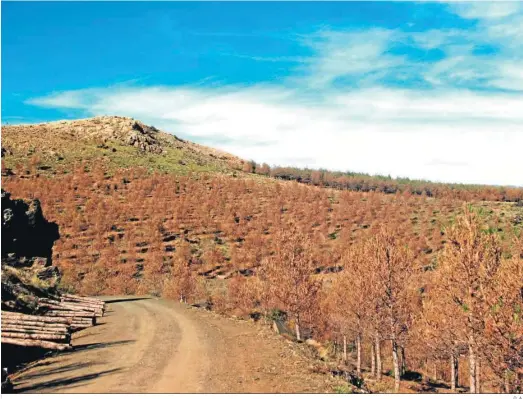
x=404 y=283
x=385 y=184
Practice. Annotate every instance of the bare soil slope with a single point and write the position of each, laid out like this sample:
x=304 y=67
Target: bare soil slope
x=158 y=346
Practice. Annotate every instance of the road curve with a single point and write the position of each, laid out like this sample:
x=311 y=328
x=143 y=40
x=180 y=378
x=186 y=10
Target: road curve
x=151 y=345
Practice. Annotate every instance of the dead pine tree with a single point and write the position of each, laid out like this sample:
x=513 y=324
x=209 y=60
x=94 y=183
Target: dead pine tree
x=469 y=262
x=289 y=271
x=393 y=265
x=182 y=283
x=440 y=329
x=348 y=294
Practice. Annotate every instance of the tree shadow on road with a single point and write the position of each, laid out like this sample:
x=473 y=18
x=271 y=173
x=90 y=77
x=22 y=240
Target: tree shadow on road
x=79 y=348
x=126 y=299
x=56 y=370
x=63 y=382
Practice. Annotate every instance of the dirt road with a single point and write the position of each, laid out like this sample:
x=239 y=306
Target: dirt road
x=158 y=346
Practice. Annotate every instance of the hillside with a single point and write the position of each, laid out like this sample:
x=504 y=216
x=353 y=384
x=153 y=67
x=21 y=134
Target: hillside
x=143 y=212
x=113 y=142
x=94 y=179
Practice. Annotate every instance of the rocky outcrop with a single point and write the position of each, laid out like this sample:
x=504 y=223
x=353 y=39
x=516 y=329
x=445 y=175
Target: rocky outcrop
x=27 y=242
x=143 y=137
x=25 y=232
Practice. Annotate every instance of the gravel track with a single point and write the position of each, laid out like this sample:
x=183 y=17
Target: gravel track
x=152 y=345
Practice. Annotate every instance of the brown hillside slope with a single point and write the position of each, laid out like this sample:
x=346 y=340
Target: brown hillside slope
x=113 y=142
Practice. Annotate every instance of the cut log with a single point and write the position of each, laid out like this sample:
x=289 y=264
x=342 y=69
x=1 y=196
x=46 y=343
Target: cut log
x=21 y=316
x=63 y=308
x=68 y=313
x=83 y=303
x=8 y=322
x=66 y=305
x=72 y=305
x=76 y=305
x=82 y=298
x=34 y=330
x=82 y=323
x=52 y=309
x=46 y=306
x=36 y=327
x=93 y=305
x=36 y=343
x=45 y=337
x=88 y=322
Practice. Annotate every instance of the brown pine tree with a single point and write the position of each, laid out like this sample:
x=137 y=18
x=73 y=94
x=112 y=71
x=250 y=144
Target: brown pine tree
x=289 y=271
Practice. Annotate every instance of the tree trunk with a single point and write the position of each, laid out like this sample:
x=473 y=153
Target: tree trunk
x=344 y=348
x=403 y=368
x=298 y=334
x=478 y=376
x=358 y=348
x=472 y=369
x=373 y=360
x=395 y=361
x=453 y=372
x=506 y=382
x=378 y=358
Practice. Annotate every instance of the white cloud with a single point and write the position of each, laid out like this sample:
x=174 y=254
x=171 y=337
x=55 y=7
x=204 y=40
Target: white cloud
x=449 y=131
x=343 y=54
x=486 y=9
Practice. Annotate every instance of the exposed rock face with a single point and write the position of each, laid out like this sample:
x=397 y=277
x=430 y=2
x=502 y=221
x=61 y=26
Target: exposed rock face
x=27 y=242
x=25 y=232
x=142 y=136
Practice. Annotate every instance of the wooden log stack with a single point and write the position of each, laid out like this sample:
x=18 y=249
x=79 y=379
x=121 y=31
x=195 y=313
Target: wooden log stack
x=82 y=311
x=59 y=318
x=31 y=330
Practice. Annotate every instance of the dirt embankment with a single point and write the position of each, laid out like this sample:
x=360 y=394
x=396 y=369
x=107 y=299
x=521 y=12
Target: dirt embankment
x=154 y=345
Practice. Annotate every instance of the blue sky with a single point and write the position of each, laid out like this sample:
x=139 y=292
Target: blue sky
x=420 y=89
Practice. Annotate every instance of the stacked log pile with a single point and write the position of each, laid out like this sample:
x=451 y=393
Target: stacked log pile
x=52 y=328
x=82 y=311
x=31 y=330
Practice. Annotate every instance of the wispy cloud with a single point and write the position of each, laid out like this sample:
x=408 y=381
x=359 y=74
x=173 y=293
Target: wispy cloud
x=487 y=10
x=456 y=117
